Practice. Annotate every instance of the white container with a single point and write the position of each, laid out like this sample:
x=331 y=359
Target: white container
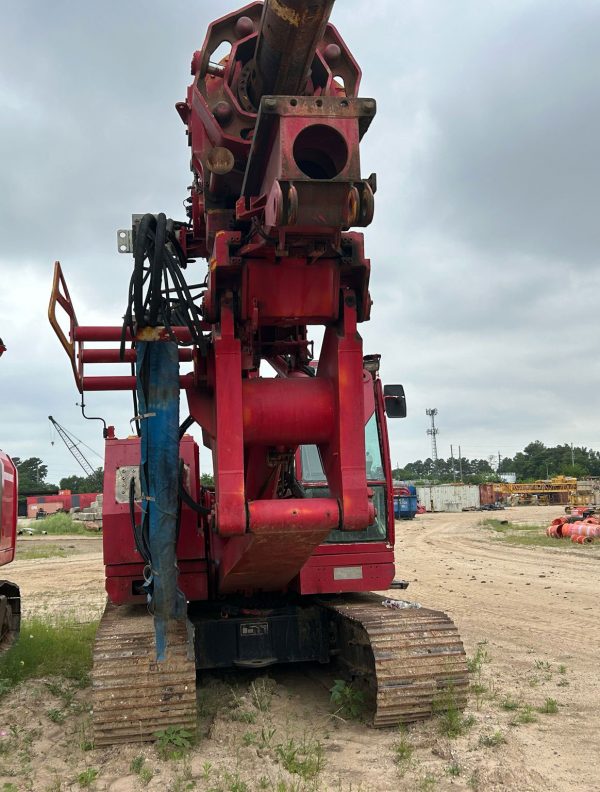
x=449 y=497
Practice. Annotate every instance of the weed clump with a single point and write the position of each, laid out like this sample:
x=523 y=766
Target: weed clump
x=303 y=758
x=549 y=707
x=492 y=740
x=451 y=720
x=526 y=715
x=403 y=750
x=348 y=701
x=173 y=742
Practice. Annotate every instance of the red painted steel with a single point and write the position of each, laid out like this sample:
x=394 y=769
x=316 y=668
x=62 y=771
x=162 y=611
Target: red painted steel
x=129 y=355
x=121 y=383
x=8 y=508
x=287 y=411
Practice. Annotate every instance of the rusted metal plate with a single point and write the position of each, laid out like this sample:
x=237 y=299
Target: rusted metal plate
x=133 y=695
x=412 y=660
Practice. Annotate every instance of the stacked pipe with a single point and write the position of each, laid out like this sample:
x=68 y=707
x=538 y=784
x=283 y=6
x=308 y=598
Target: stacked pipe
x=580 y=530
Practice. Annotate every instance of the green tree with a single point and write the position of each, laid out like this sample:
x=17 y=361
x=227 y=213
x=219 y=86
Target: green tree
x=91 y=483
x=32 y=475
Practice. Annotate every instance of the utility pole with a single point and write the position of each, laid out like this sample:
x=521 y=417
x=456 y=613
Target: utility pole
x=499 y=461
x=460 y=463
x=572 y=456
x=432 y=412
x=452 y=455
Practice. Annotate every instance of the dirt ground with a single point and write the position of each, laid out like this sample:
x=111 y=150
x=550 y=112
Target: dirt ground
x=530 y=613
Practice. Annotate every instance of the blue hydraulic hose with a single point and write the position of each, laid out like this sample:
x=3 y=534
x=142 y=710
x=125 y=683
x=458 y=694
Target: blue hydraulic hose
x=157 y=384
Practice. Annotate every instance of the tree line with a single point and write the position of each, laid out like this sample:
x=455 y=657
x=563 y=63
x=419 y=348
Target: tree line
x=535 y=461
x=33 y=474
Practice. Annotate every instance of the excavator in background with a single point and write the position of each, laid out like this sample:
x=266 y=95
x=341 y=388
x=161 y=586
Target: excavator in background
x=10 y=596
x=277 y=563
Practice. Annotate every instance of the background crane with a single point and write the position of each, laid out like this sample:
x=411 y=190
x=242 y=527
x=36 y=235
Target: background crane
x=73 y=444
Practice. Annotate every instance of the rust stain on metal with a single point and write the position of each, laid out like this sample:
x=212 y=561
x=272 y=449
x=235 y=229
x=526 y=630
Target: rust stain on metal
x=286 y=13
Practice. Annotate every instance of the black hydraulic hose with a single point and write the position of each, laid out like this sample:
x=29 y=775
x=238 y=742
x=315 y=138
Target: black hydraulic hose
x=139 y=534
x=185 y=426
x=183 y=494
x=156 y=268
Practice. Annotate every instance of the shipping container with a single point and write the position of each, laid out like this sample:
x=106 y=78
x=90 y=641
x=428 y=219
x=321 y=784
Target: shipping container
x=64 y=500
x=487 y=494
x=449 y=497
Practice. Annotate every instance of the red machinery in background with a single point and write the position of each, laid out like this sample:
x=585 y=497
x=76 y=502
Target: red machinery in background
x=10 y=596
x=269 y=566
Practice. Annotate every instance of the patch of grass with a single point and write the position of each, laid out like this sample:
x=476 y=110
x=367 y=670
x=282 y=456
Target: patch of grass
x=549 y=707
x=427 y=782
x=235 y=783
x=454 y=769
x=60 y=524
x=86 y=740
x=146 y=775
x=492 y=740
x=49 y=647
x=451 y=721
x=88 y=777
x=136 y=764
x=303 y=758
x=239 y=709
x=403 y=750
x=481 y=656
x=562 y=669
x=509 y=704
x=266 y=736
x=173 y=742
x=56 y=715
x=242 y=716
x=348 y=701
x=32 y=554
x=206 y=770
x=477 y=689
x=522 y=534
x=261 y=691
x=543 y=665
x=526 y=715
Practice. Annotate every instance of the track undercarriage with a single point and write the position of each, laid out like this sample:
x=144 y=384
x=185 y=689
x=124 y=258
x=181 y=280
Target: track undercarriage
x=409 y=661
x=10 y=614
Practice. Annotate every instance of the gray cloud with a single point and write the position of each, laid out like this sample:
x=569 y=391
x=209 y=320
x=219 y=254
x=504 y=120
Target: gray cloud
x=484 y=240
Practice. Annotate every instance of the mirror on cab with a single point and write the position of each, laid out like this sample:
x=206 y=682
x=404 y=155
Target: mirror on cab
x=395 y=401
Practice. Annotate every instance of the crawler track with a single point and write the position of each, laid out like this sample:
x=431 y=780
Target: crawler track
x=10 y=614
x=133 y=695
x=411 y=660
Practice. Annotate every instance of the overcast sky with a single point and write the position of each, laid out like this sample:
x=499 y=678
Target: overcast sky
x=486 y=236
